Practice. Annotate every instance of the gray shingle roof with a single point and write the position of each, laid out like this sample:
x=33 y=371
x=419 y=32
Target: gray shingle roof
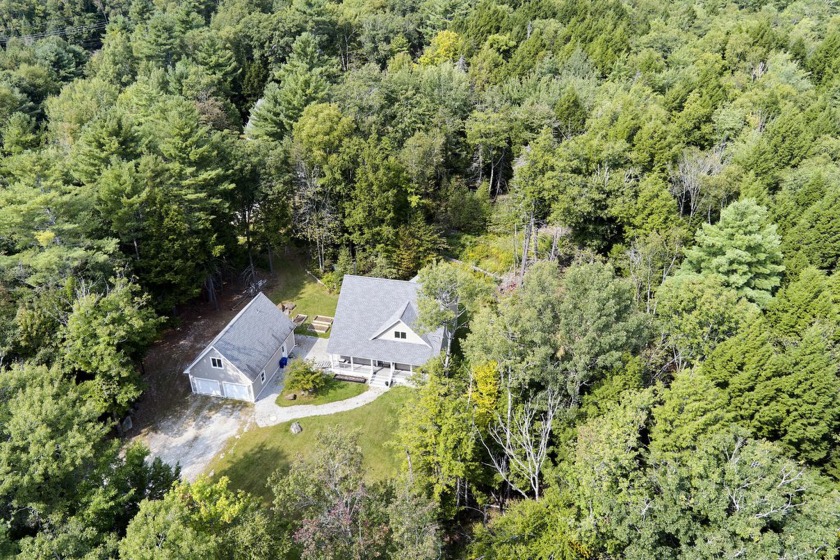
x=368 y=306
x=253 y=336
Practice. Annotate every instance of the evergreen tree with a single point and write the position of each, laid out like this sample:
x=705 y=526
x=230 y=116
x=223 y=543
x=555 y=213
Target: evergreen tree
x=743 y=249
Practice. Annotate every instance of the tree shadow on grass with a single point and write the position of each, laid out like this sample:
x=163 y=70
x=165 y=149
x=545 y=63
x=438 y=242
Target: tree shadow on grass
x=250 y=471
x=291 y=281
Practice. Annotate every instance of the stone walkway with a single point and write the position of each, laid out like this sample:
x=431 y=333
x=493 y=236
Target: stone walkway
x=267 y=413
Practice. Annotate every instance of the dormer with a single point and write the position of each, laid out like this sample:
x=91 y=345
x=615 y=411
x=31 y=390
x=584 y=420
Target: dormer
x=398 y=327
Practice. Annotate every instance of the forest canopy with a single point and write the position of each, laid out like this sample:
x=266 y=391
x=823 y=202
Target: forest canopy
x=626 y=211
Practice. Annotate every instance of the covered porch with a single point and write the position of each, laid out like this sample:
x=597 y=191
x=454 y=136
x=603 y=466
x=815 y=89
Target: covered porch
x=376 y=372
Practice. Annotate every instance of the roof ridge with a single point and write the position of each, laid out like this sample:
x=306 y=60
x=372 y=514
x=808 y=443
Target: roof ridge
x=227 y=327
x=236 y=318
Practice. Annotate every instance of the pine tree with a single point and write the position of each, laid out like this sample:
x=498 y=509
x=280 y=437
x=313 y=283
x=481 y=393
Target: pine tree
x=742 y=248
x=815 y=239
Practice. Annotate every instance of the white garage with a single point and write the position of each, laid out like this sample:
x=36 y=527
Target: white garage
x=237 y=391
x=206 y=387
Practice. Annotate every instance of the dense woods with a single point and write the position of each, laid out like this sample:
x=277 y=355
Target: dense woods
x=646 y=195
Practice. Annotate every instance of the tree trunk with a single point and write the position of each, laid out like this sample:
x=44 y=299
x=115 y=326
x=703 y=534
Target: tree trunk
x=515 y=246
x=250 y=248
x=211 y=291
x=536 y=233
x=525 y=241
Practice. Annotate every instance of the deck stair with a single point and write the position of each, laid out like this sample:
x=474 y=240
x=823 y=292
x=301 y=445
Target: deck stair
x=380 y=379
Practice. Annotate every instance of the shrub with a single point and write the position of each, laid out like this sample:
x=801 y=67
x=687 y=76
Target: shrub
x=304 y=376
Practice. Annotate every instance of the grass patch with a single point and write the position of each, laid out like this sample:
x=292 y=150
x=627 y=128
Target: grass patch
x=251 y=459
x=333 y=391
x=293 y=283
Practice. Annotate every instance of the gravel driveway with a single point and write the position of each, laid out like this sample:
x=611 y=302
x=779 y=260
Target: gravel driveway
x=193 y=436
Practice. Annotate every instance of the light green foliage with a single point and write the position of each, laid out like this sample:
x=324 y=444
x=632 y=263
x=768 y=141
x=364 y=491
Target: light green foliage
x=486 y=392
x=52 y=444
x=596 y=323
x=19 y=134
x=439 y=445
x=743 y=249
x=193 y=520
x=520 y=336
x=698 y=312
x=103 y=140
x=77 y=105
x=102 y=337
x=746 y=496
x=305 y=376
x=556 y=332
x=443 y=48
x=781 y=389
x=692 y=407
x=604 y=482
x=319 y=134
x=812 y=297
x=814 y=239
x=115 y=62
x=447 y=294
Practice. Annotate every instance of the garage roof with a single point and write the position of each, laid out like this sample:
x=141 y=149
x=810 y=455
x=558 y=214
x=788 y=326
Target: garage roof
x=252 y=337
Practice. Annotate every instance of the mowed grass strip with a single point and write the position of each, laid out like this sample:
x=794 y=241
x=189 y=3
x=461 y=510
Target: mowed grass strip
x=334 y=391
x=251 y=459
x=294 y=284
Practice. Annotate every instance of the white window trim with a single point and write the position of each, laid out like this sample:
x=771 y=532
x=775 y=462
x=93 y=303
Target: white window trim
x=262 y=376
x=213 y=362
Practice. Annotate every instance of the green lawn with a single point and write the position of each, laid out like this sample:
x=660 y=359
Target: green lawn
x=251 y=459
x=292 y=283
x=335 y=390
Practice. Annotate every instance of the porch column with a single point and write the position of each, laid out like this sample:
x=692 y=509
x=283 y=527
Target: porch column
x=371 y=367
x=351 y=364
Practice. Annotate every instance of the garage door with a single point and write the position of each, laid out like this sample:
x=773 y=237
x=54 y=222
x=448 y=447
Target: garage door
x=207 y=387
x=235 y=391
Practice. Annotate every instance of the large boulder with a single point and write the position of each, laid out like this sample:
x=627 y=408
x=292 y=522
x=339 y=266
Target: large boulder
x=296 y=428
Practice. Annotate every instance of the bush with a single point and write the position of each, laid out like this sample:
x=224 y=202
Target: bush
x=305 y=377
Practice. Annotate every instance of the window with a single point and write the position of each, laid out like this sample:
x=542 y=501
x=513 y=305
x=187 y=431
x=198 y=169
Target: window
x=262 y=376
x=216 y=363
x=399 y=334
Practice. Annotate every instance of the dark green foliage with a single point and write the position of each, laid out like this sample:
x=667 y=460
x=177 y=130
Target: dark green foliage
x=781 y=390
x=156 y=152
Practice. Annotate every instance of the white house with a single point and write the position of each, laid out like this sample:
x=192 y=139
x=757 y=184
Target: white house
x=375 y=334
